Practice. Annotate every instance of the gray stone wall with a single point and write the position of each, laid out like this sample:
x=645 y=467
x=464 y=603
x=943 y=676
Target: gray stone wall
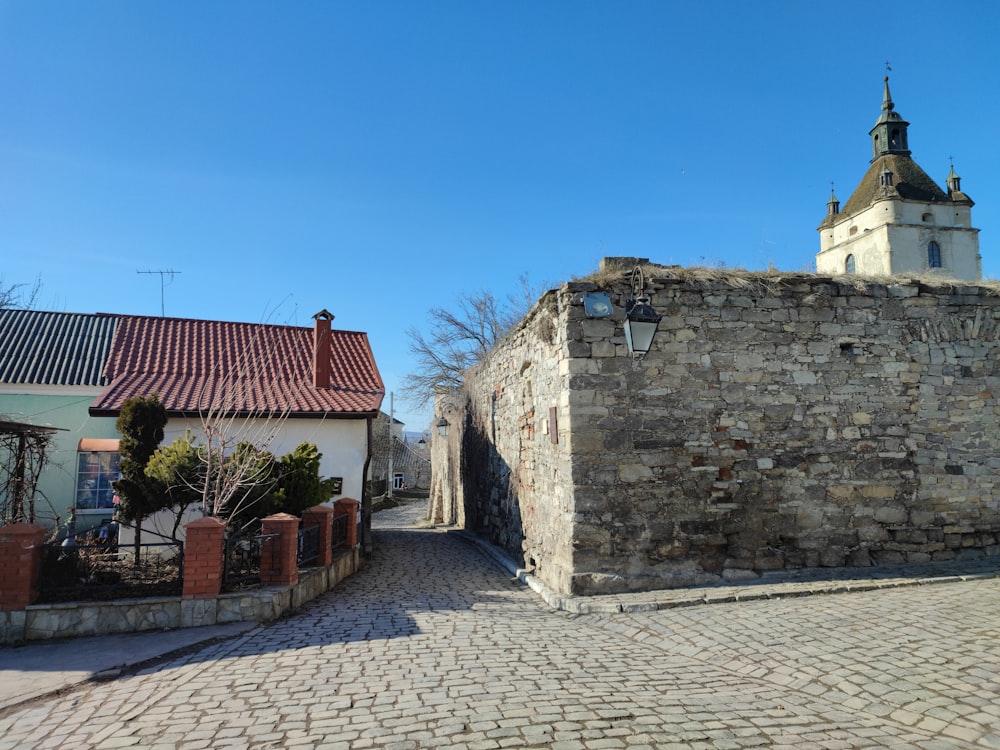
x=515 y=480
x=76 y=619
x=778 y=422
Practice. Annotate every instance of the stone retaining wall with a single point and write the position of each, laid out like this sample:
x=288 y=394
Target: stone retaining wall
x=48 y=621
x=777 y=423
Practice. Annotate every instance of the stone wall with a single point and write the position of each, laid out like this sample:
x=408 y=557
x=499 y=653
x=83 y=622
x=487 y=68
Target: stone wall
x=778 y=422
x=515 y=478
x=74 y=619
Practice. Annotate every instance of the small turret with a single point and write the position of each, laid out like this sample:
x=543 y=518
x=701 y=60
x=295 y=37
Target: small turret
x=954 y=184
x=832 y=205
x=885 y=176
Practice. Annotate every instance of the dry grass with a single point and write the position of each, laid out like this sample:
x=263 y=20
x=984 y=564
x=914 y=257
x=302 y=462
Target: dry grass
x=771 y=281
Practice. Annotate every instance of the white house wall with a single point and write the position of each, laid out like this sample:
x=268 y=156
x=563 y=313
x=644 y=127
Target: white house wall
x=343 y=443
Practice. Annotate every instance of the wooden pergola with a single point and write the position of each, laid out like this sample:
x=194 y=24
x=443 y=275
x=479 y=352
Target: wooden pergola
x=23 y=449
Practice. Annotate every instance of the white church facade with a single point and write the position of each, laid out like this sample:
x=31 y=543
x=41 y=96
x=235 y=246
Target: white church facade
x=898 y=220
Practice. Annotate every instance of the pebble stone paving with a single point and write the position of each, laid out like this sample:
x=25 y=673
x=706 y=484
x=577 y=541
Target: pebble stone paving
x=434 y=645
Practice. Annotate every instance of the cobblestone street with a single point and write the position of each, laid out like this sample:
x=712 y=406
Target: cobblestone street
x=433 y=645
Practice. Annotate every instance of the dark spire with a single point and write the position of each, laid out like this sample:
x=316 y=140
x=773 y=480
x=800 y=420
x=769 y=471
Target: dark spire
x=832 y=205
x=889 y=133
x=887 y=105
x=953 y=182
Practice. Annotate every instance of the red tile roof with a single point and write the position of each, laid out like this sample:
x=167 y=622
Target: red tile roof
x=239 y=368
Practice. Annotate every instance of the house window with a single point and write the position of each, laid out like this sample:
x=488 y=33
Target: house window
x=397 y=481
x=96 y=470
x=933 y=255
x=849 y=265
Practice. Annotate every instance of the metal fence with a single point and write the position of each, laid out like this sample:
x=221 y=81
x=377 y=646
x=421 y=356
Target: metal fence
x=339 y=524
x=308 y=551
x=83 y=567
x=86 y=567
x=244 y=559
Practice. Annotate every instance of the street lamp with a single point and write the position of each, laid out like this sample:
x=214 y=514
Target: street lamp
x=640 y=318
x=442 y=425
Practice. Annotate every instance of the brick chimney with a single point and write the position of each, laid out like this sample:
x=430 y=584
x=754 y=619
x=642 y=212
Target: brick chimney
x=321 y=349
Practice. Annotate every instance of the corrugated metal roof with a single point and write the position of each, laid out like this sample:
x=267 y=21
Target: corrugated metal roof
x=51 y=348
x=237 y=368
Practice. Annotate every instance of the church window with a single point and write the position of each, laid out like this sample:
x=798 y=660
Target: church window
x=933 y=255
x=849 y=265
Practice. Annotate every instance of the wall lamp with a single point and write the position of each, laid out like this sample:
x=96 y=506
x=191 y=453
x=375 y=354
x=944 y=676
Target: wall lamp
x=641 y=319
x=443 y=425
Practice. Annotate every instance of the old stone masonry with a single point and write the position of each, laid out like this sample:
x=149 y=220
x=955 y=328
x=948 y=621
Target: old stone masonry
x=434 y=645
x=777 y=422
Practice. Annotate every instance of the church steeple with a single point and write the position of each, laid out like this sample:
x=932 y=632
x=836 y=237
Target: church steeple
x=898 y=220
x=889 y=133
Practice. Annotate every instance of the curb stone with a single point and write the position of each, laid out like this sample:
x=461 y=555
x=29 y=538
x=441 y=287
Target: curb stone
x=793 y=584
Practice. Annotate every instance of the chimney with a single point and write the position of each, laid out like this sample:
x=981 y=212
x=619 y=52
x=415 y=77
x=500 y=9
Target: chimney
x=321 y=349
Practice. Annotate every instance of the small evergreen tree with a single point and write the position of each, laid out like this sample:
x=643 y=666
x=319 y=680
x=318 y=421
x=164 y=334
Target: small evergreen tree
x=176 y=472
x=140 y=423
x=298 y=479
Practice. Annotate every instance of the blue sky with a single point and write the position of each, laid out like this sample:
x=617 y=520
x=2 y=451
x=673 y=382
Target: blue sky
x=377 y=158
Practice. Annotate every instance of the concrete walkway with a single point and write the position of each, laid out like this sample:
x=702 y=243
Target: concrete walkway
x=37 y=669
x=435 y=645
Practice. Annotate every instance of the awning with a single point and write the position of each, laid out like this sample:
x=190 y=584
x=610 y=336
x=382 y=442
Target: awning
x=98 y=445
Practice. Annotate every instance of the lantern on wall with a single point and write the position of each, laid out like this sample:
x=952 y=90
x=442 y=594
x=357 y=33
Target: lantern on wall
x=641 y=319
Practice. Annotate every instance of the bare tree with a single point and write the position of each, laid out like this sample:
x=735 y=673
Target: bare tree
x=238 y=431
x=19 y=296
x=460 y=338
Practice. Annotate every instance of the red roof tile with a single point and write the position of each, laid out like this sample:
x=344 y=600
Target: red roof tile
x=240 y=368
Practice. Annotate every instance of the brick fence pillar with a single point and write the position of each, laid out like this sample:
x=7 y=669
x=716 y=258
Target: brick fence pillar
x=349 y=506
x=203 y=558
x=322 y=516
x=278 y=557
x=20 y=564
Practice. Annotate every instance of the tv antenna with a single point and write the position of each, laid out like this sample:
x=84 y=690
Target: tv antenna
x=171 y=273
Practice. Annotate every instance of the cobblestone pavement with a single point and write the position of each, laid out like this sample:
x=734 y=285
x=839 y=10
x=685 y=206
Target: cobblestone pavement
x=434 y=645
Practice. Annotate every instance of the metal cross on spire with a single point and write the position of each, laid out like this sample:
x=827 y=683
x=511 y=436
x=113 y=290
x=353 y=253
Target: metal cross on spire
x=888 y=67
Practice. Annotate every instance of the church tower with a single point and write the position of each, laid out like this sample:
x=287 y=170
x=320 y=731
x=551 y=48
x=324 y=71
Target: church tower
x=898 y=221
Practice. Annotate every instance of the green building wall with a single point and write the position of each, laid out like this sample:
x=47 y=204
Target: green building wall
x=69 y=414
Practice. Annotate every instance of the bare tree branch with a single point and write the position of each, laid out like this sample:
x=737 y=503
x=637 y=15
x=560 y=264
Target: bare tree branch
x=23 y=456
x=460 y=338
x=235 y=477
x=19 y=296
